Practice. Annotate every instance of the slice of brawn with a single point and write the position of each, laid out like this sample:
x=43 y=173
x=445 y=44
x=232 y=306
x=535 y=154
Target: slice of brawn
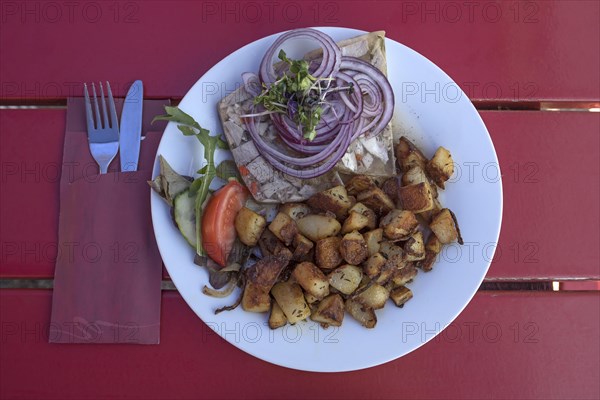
x=369 y=156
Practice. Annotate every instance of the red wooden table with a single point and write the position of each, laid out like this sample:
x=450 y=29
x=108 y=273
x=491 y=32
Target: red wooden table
x=531 y=68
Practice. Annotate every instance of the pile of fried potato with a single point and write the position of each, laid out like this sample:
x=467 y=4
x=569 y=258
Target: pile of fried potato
x=352 y=247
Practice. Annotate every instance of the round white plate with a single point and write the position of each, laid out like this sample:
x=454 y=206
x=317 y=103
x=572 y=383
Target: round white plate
x=432 y=111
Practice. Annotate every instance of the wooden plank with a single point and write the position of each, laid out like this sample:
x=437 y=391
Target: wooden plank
x=580 y=286
x=31 y=146
x=30 y=156
x=551 y=198
x=498 y=51
x=547 y=160
x=504 y=345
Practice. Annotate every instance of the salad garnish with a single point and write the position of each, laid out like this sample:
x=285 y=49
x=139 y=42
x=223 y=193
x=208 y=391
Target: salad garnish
x=200 y=187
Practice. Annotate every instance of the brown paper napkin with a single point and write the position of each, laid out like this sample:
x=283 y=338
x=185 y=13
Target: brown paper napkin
x=108 y=270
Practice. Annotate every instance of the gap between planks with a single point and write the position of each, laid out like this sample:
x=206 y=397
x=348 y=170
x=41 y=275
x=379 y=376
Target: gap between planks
x=537 y=285
x=481 y=105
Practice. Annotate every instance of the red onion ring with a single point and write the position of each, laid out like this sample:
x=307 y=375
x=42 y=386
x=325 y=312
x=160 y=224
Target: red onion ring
x=329 y=64
x=265 y=149
x=377 y=77
x=251 y=83
x=367 y=110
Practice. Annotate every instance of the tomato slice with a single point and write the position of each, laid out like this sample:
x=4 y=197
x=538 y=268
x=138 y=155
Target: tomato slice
x=218 y=221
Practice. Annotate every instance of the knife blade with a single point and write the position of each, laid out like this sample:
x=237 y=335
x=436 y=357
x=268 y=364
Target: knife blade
x=131 y=127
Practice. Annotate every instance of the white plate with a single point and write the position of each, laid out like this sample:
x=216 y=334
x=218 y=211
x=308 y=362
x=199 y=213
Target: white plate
x=430 y=109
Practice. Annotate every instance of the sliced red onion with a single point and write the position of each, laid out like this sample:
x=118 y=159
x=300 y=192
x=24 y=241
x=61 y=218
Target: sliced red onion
x=267 y=149
x=376 y=76
x=367 y=110
x=356 y=94
x=372 y=103
x=330 y=62
x=251 y=83
x=309 y=173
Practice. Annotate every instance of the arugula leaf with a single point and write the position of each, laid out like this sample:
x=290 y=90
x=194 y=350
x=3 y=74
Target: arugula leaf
x=222 y=144
x=189 y=127
x=175 y=114
x=186 y=130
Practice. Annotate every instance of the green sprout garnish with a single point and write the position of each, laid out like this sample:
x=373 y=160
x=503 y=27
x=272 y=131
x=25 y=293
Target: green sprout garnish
x=299 y=95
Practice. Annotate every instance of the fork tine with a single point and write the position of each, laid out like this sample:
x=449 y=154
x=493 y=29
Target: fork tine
x=96 y=109
x=88 y=110
x=111 y=106
x=104 y=113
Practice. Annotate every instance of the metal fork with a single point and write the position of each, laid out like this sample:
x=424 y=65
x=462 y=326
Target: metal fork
x=103 y=138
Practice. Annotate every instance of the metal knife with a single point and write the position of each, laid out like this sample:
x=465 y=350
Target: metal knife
x=131 y=127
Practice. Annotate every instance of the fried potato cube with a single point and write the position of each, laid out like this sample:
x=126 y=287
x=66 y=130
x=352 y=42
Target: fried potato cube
x=360 y=183
x=327 y=253
x=249 y=226
x=387 y=273
x=399 y=224
x=426 y=264
x=334 y=200
x=353 y=248
x=302 y=247
x=432 y=248
x=265 y=272
x=408 y=155
x=316 y=227
x=404 y=275
x=374 y=297
x=367 y=212
x=290 y=298
x=284 y=228
x=441 y=167
x=312 y=280
x=374 y=265
x=417 y=175
x=401 y=295
x=330 y=311
x=270 y=245
x=445 y=227
x=416 y=198
x=390 y=187
x=414 y=247
x=429 y=214
x=414 y=175
x=295 y=210
x=373 y=238
x=277 y=318
x=363 y=314
x=433 y=244
x=376 y=200
x=255 y=298
x=390 y=250
x=346 y=278
x=310 y=299
x=393 y=254
x=354 y=222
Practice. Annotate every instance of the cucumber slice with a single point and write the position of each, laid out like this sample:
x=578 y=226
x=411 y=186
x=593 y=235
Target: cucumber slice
x=185 y=216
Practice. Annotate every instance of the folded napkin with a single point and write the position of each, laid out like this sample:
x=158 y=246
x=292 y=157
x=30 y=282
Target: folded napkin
x=108 y=269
